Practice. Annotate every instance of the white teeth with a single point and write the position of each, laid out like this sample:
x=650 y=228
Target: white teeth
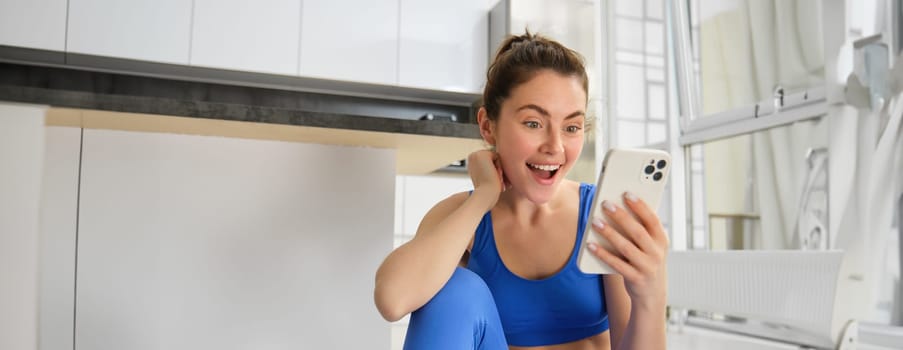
x=545 y=167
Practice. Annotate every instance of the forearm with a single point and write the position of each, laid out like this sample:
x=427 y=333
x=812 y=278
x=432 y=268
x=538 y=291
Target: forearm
x=646 y=328
x=412 y=274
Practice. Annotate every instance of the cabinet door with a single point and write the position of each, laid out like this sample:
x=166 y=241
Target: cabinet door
x=194 y=242
x=247 y=35
x=150 y=30
x=37 y=24
x=59 y=217
x=353 y=40
x=21 y=156
x=421 y=193
x=443 y=44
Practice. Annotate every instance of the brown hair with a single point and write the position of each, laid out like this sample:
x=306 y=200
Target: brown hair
x=518 y=59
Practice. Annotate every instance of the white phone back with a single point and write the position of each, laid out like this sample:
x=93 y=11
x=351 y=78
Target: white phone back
x=622 y=170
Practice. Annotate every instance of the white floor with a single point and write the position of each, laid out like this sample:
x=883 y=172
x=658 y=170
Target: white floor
x=690 y=338
x=703 y=339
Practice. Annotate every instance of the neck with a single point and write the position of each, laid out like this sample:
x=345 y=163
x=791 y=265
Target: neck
x=525 y=210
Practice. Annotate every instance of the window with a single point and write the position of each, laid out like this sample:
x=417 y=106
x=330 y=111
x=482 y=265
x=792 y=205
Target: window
x=756 y=138
x=638 y=115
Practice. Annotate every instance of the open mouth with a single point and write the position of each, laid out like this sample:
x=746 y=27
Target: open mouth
x=544 y=171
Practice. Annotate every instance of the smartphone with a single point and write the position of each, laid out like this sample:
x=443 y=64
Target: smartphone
x=644 y=173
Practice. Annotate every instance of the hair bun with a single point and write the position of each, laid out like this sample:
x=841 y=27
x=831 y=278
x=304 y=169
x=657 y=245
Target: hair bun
x=514 y=40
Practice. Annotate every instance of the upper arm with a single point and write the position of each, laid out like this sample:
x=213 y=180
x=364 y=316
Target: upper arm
x=617 y=303
x=439 y=212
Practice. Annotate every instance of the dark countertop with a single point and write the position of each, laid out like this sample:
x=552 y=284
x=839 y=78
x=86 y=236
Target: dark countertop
x=118 y=85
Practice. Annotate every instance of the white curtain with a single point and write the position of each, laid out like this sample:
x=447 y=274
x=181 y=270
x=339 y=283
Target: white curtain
x=788 y=53
x=781 y=171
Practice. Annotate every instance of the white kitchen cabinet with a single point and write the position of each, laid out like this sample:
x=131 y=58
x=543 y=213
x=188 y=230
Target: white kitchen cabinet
x=58 y=227
x=37 y=24
x=399 y=204
x=247 y=35
x=352 y=40
x=444 y=44
x=197 y=242
x=148 y=30
x=22 y=158
x=421 y=193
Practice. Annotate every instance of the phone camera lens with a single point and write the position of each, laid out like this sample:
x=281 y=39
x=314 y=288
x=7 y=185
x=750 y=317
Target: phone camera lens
x=649 y=170
x=661 y=164
x=657 y=176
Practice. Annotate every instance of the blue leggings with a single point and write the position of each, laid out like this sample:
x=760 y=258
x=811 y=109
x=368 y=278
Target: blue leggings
x=462 y=315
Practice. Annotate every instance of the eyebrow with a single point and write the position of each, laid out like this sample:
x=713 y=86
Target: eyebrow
x=545 y=113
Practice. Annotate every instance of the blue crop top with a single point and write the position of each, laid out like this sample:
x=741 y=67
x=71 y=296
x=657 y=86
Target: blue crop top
x=562 y=308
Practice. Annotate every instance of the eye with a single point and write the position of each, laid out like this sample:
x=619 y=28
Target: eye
x=532 y=124
x=573 y=129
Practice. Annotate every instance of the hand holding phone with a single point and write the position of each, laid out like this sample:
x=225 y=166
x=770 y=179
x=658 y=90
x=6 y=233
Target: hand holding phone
x=642 y=172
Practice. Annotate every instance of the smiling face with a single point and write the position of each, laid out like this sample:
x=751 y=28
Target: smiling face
x=539 y=133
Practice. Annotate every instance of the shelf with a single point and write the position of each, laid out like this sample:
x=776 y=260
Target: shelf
x=120 y=94
x=417 y=153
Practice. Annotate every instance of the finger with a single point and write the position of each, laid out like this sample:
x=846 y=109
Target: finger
x=646 y=215
x=629 y=225
x=623 y=246
x=617 y=263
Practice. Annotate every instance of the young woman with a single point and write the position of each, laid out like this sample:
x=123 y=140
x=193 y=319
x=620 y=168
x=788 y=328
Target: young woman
x=522 y=224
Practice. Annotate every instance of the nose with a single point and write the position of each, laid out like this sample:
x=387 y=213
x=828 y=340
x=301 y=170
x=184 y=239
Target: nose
x=553 y=143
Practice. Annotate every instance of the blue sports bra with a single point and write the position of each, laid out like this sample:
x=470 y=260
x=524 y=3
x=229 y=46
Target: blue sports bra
x=565 y=307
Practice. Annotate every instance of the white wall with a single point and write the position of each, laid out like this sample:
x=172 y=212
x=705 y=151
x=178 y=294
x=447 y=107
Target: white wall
x=21 y=161
x=191 y=242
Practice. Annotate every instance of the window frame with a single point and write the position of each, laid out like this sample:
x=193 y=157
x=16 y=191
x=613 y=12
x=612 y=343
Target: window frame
x=697 y=128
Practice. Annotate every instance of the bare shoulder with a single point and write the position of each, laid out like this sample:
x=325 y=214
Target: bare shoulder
x=571 y=186
x=570 y=191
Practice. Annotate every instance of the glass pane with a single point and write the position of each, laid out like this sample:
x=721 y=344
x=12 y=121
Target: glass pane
x=655 y=61
x=629 y=34
x=747 y=48
x=631 y=134
x=697 y=199
x=657 y=102
x=653 y=9
x=657 y=133
x=664 y=209
x=629 y=8
x=630 y=57
x=631 y=92
x=655 y=40
x=762 y=192
x=655 y=75
x=696 y=153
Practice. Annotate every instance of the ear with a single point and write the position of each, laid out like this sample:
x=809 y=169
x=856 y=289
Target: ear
x=487 y=126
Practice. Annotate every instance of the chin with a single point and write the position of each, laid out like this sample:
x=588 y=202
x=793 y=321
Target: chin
x=541 y=194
